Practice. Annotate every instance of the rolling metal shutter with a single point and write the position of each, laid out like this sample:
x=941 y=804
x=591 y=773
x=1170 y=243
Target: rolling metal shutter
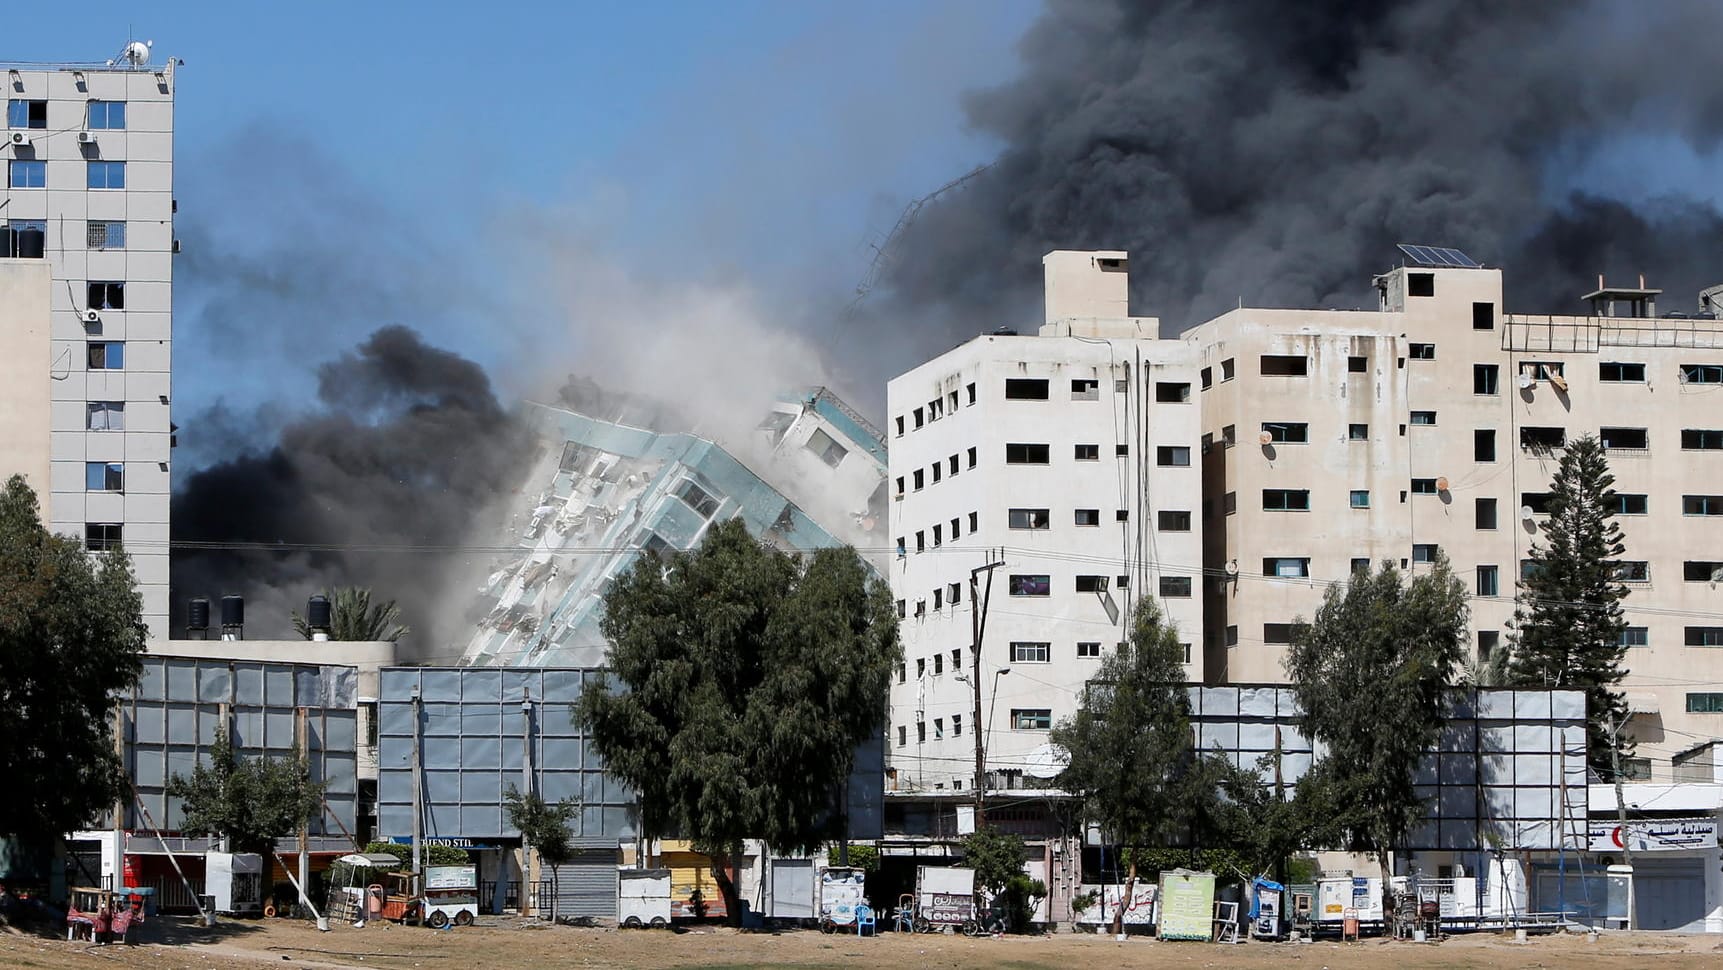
x=586 y=887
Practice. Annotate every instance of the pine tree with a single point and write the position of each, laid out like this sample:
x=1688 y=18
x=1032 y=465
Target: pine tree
x=1568 y=622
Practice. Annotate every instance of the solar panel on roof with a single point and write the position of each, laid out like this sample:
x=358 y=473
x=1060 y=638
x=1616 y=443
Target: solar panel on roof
x=1438 y=256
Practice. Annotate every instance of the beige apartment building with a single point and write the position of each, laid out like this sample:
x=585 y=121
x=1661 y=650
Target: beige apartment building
x=1435 y=423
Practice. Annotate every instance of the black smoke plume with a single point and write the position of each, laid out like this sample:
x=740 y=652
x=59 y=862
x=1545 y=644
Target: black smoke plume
x=1274 y=152
x=385 y=483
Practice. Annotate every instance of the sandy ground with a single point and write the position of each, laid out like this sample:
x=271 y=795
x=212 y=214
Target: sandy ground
x=248 y=945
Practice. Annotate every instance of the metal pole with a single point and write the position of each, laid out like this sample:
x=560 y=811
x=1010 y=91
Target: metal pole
x=301 y=738
x=1621 y=812
x=527 y=868
x=978 y=626
x=119 y=860
x=418 y=786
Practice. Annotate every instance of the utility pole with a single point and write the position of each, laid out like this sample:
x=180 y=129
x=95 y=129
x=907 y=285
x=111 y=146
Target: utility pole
x=1621 y=812
x=978 y=601
x=418 y=786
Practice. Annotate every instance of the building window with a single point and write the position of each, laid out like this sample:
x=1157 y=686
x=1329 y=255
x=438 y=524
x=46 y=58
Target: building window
x=1423 y=417
x=1120 y=451
x=969 y=390
x=902 y=611
x=1031 y=652
x=105 y=235
x=1483 y=316
x=935 y=409
x=970 y=455
x=938 y=535
x=974 y=518
x=1484 y=514
x=101 y=536
x=935 y=469
x=1026 y=454
x=1034 y=519
x=107 y=115
x=1122 y=515
x=699 y=499
x=1701 y=374
x=1082 y=389
x=1357 y=432
x=1228 y=436
x=1420 y=284
x=1025 y=389
x=1357 y=365
x=1488 y=642
x=938 y=658
x=1424 y=552
x=1632 y=571
x=900 y=426
x=920 y=541
x=1176 y=587
x=1207 y=375
x=1229 y=503
x=1287 y=568
x=1360 y=498
x=1538 y=502
x=1285 y=365
x=1489 y=580
x=110 y=295
x=27 y=173
x=105 y=175
x=1484 y=379
x=1172 y=392
x=1635 y=636
x=1542 y=439
x=1031 y=719
x=921 y=732
x=826 y=448
x=105 y=355
x=1279 y=632
x=23 y=113
x=1091 y=584
x=1089 y=650
x=1173 y=457
x=919 y=477
x=1286 y=499
x=956 y=533
x=920 y=417
x=1423 y=486
x=952 y=464
x=954 y=596
x=1542 y=370
x=1421 y=351
x=1701 y=571
x=1705 y=703
x=1621 y=373
x=1286 y=432
x=1122 y=385
x=1031 y=584
x=1088 y=517
x=1360 y=564
x=105 y=415
x=1702 y=505
x=1173 y=521
x=1484 y=444
x=1705 y=636
x=104 y=476
x=1630 y=439
x=1632 y=504
x=1699 y=439
x=1088 y=452
x=1226 y=370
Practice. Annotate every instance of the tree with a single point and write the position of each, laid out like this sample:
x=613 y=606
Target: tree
x=997 y=858
x=1129 y=743
x=751 y=677
x=1373 y=675
x=353 y=617
x=1567 y=622
x=544 y=826
x=71 y=635
x=250 y=802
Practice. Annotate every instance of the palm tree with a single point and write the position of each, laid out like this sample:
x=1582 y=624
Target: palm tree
x=352 y=616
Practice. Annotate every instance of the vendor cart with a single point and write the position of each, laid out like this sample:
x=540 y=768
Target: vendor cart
x=944 y=898
x=451 y=895
x=101 y=915
x=841 y=891
x=349 y=878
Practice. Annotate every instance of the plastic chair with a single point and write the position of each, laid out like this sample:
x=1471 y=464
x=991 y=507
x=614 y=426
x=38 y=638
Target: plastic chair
x=865 y=920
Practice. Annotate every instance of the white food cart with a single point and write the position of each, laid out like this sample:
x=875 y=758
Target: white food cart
x=643 y=898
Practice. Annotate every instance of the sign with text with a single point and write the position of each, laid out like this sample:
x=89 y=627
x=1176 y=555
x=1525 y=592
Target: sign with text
x=1187 y=905
x=1653 y=835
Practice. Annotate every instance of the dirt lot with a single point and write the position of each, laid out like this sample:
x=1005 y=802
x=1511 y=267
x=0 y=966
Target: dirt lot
x=247 y=945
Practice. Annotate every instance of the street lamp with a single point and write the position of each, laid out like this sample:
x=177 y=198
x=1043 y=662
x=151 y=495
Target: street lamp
x=981 y=731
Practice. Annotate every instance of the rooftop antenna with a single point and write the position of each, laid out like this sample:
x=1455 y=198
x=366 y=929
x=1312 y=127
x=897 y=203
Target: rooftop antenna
x=134 y=55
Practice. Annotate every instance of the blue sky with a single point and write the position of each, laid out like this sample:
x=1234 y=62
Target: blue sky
x=768 y=139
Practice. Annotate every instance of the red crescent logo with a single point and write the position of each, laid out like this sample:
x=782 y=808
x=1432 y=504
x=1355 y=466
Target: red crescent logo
x=1615 y=836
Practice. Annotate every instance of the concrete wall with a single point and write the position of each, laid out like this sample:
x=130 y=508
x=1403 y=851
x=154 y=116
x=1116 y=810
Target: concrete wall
x=25 y=375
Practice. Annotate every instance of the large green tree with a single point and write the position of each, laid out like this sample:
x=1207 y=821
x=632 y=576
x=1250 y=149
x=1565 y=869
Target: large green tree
x=251 y=802
x=1567 y=618
x=751 y=676
x=1131 y=753
x=354 y=617
x=71 y=634
x=1373 y=674
x=544 y=826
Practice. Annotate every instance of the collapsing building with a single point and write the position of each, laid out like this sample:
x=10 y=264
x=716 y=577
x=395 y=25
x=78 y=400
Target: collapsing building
x=812 y=475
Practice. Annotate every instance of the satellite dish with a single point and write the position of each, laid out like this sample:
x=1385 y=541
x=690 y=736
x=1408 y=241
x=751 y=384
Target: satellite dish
x=138 y=52
x=1526 y=382
x=1441 y=484
x=1046 y=761
x=1526 y=513
x=1266 y=438
x=1232 y=567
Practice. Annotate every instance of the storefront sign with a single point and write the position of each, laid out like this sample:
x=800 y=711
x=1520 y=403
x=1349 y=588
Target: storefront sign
x=1653 y=835
x=446 y=843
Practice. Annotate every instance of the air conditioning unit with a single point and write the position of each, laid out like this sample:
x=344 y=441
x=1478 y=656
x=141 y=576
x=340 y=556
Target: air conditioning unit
x=92 y=316
x=20 y=138
x=86 y=138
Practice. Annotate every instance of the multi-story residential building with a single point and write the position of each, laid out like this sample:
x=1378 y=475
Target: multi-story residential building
x=1435 y=424
x=89 y=191
x=1066 y=462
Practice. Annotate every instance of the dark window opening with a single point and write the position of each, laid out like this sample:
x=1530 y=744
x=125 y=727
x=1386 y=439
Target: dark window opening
x=1542 y=439
x=107 y=296
x=1485 y=514
x=1628 y=504
x=1085 y=390
x=1696 y=439
x=1421 y=351
x=1285 y=365
x=1281 y=632
x=1025 y=389
x=1091 y=584
x=1026 y=454
x=1619 y=373
x=1632 y=439
x=1483 y=316
x=1286 y=432
x=102 y=536
x=1484 y=445
x=1420 y=284
x=1172 y=392
x=1357 y=365
x=1485 y=379
x=1169 y=521
x=1285 y=499
x=1035 y=519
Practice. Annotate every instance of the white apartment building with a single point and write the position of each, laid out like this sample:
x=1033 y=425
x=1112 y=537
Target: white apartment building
x=1436 y=422
x=1068 y=458
x=89 y=191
